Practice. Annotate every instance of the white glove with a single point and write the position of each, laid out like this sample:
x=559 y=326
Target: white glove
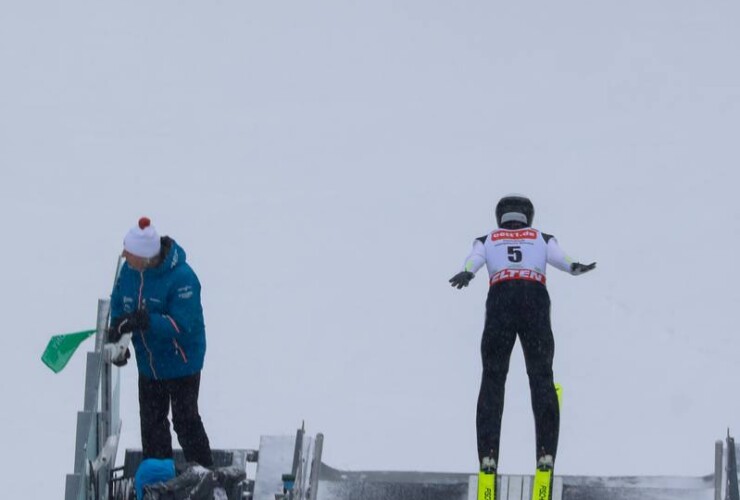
x=117 y=352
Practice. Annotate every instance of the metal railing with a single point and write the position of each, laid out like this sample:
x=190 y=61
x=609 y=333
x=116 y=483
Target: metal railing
x=98 y=424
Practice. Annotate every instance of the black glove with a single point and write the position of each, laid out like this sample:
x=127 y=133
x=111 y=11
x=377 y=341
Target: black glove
x=138 y=320
x=124 y=361
x=462 y=279
x=577 y=268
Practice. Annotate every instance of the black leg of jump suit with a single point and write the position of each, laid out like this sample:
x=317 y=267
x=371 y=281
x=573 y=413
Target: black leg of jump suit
x=517 y=308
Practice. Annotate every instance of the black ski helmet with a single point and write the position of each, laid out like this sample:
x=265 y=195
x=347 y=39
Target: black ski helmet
x=514 y=207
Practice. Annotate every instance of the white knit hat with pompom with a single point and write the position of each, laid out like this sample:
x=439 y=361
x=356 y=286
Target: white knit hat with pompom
x=142 y=240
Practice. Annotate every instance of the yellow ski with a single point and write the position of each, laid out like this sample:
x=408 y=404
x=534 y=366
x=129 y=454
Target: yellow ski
x=542 y=487
x=486 y=486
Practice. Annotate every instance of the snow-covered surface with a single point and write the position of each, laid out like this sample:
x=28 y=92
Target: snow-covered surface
x=637 y=488
x=327 y=164
x=397 y=485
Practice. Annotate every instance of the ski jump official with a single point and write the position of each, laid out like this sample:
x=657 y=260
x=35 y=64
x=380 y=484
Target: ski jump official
x=516 y=255
x=157 y=299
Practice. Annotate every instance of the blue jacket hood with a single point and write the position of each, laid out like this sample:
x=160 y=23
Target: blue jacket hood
x=172 y=255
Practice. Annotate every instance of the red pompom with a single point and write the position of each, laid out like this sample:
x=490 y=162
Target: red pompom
x=144 y=223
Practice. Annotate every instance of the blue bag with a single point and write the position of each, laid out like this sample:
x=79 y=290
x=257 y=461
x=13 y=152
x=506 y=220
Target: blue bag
x=153 y=471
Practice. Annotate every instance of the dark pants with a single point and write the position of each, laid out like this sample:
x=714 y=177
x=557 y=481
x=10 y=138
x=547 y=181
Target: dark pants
x=155 y=397
x=517 y=308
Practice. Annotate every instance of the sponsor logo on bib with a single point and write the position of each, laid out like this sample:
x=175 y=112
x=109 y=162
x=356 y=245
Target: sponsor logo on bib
x=517 y=274
x=519 y=234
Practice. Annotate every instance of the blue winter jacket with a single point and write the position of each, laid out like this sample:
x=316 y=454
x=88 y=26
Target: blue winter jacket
x=174 y=345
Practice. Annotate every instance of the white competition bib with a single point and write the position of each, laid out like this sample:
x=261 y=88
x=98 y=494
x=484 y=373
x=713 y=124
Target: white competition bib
x=519 y=254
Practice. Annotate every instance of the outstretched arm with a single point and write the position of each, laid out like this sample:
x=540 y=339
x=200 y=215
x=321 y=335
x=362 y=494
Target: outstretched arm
x=473 y=262
x=476 y=258
x=556 y=257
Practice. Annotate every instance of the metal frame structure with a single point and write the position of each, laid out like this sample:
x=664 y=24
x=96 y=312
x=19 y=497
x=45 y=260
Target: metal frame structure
x=98 y=424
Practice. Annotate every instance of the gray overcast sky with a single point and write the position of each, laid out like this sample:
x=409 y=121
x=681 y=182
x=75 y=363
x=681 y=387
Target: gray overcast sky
x=327 y=164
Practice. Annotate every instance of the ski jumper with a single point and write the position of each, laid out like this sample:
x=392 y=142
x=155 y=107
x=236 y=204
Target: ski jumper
x=517 y=305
